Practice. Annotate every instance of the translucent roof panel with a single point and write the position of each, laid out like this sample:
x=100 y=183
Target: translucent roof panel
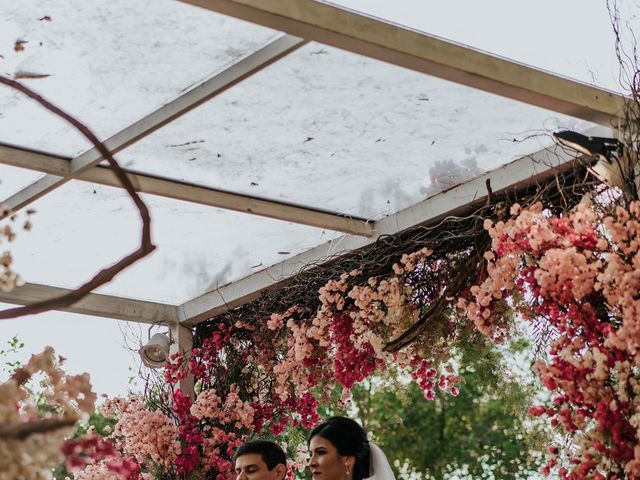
x=107 y=62
x=14 y=179
x=546 y=34
x=81 y=228
x=331 y=129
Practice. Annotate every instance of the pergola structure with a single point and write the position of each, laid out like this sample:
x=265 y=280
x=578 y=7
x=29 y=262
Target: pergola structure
x=303 y=21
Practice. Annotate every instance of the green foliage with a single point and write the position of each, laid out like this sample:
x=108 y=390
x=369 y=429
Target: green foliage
x=484 y=433
x=9 y=367
x=13 y=346
x=97 y=423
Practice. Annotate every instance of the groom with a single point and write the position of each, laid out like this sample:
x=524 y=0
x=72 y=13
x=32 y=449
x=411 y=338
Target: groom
x=260 y=460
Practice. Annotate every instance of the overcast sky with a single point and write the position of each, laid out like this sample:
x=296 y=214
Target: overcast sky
x=570 y=37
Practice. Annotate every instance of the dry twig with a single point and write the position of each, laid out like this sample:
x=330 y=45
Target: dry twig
x=106 y=275
x=23 y=430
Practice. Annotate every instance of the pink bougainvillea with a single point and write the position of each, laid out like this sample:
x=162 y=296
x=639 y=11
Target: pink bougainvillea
x=69 y=399
x=575 y=275
x=580 y=277
x=263 y=378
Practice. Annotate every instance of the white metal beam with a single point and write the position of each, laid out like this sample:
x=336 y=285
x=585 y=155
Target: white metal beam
x=189 y=192
x=34 y=160
x=96 y=304
x=525 y=171
x=215 y=85
x=236 y=201
x=356 y=32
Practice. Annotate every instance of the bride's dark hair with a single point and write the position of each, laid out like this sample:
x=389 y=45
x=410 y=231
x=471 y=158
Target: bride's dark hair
x=350 y=440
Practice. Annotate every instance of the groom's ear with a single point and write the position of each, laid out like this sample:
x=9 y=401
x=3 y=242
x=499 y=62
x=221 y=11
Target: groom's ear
x=280 y=471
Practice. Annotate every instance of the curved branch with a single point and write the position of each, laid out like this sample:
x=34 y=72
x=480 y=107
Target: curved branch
x=461 y=278
x=22 y=430
x=106 y=275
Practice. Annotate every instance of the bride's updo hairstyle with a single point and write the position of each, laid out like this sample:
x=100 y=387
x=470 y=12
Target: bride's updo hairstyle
x=350 y=440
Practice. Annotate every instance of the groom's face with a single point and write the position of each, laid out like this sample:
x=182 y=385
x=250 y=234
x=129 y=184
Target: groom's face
x=251 y=466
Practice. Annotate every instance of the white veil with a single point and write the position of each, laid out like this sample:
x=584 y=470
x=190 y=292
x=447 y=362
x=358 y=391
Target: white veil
x=379 y=467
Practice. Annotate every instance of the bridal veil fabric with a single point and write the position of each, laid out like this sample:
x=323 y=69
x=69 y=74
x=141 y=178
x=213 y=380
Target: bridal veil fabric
x=379 y=465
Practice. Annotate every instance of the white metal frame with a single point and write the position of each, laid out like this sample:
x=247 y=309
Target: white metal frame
x=96 y=304
x=186 y=102
x=189 y=192
x=528 y=170
x=339 y=27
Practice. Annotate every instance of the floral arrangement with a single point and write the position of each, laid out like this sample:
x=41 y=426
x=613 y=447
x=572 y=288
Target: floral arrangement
x=577 y=275
x=269 y=378
x=571 y=272
x=31 y=436
x=266 y=376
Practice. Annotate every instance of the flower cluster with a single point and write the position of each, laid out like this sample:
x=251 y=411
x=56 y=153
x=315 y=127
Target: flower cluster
x=579 y=276
x=150 y=437
x=31 y=437
x=92 y=457
x=9 y=278
x=268 y=377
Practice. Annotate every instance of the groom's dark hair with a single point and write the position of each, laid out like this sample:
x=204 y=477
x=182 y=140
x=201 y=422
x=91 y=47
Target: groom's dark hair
x=349 y=438
x=271 y=453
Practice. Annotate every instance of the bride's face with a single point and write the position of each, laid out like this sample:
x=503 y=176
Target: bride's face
x=326 y=463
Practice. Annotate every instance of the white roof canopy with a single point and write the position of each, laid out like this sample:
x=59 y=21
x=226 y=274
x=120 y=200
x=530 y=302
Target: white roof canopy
x=317 y=129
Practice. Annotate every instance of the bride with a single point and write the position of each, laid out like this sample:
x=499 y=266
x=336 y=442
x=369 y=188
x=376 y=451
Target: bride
x=340 y=451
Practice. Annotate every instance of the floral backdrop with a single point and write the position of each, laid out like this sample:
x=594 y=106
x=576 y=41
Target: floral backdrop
x=563 y=257
x=574 y=274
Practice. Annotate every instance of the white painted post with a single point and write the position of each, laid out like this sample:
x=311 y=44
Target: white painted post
x=182 y=341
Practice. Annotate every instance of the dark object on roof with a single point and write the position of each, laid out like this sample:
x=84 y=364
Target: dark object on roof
x=600 y=147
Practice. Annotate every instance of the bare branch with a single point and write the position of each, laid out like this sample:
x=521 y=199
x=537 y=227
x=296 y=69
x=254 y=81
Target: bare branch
x=22 y=430
x=107 y=274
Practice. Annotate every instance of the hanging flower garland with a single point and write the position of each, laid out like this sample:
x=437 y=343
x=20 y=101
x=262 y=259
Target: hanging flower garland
x=265 y=377
x=266 y=374
x=268 y=377
x=579 y=276
x=574 y=274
